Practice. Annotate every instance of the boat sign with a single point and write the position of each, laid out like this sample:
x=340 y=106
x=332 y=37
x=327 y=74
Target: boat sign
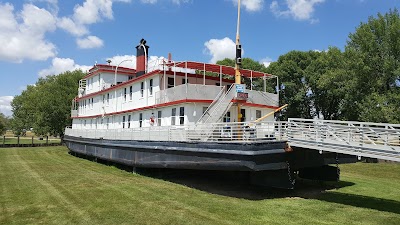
x=240 y=88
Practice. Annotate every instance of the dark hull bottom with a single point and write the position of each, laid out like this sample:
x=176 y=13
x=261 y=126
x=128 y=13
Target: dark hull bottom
x=266 y=161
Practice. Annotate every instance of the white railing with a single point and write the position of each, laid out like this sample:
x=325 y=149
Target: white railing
x=187 y=91
x=354 y=138
x=230 y=132
x=263 y=98
x=74 y=113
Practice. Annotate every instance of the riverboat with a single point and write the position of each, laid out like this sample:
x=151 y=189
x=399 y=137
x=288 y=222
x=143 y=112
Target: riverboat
x=189 y=115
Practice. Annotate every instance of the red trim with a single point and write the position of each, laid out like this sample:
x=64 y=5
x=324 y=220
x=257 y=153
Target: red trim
x=148 y=75
x=259 y=106
x=119 y=85
x=218 y=68
x=101 y=68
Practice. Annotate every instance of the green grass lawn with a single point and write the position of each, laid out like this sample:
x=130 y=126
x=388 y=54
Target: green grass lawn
x=26 y=140
x=46 y=185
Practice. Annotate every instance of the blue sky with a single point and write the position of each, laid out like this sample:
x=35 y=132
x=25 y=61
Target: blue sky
x=41 y=37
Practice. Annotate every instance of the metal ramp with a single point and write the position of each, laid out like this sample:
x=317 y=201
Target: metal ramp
x=373 y=140
x=217 y=109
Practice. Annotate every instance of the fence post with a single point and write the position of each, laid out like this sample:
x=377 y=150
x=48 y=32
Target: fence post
x=18 y=141
x=4 y=140
x=47 y=140
x=32 y=140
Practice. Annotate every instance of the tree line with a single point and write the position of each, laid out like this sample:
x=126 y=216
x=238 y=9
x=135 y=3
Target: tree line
x=46 y=106
x=360 y=83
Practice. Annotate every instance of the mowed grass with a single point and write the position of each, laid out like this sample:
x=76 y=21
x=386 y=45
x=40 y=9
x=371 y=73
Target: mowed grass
x=46 y=185
x=26 y=140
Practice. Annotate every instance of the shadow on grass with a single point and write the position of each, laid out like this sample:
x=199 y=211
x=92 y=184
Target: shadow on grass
x=237 y=185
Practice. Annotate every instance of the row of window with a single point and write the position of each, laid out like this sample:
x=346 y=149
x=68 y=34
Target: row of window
x=154 y=121
x=141 y=90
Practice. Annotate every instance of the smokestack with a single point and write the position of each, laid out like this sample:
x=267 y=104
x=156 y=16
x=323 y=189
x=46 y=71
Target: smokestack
x=142 y=53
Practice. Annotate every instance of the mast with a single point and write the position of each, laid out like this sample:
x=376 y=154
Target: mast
x=238 y=60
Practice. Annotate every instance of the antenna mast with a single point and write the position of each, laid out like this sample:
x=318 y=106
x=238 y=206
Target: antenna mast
x=238 y=61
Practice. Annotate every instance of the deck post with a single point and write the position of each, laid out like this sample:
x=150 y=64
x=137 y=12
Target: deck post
x=251 y=80
x=174 y=74
x=204 y=74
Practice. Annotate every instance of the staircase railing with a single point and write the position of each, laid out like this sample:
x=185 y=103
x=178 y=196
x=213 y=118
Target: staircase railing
x=219 y=106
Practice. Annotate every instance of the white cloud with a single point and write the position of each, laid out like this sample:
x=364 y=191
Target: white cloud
x=301 y=10
x=5 y=105
x=89 y=42
x=251 y=5
x=73 y=28
x=25 y=39
x=266 y=61
x=220 y=49
x=149 y=1
x=177 y=2
x=60 y=65
x=115 y=60
x=90 y=12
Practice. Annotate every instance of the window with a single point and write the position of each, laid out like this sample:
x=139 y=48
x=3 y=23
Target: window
x=184 y=81
x=130 y=93
x=108 y=98
x=123 y=122
x=151 y=87
x=217 y=84
x=104 y=98
x=258 y=114
x=173 y=114
x=98 y=81
x=227 y=117
x=181 y=115
x=92 y=102
x=130 y=77
x=125 y=94
x=141 y=89
x=159 y=118
x=129 y=121
x=108 y=122
x=140 y=119
x=171 y=82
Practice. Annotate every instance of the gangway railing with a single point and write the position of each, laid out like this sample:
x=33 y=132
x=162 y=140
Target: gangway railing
x=374 y=140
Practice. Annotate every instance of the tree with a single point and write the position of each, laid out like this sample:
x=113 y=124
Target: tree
x=46 y=106
x=250 y=64
x=294 y=88
x=373 y=53
x=4 y=123
x=328 y=81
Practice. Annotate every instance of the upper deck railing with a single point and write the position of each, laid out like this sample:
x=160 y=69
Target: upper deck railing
x=187 y=91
